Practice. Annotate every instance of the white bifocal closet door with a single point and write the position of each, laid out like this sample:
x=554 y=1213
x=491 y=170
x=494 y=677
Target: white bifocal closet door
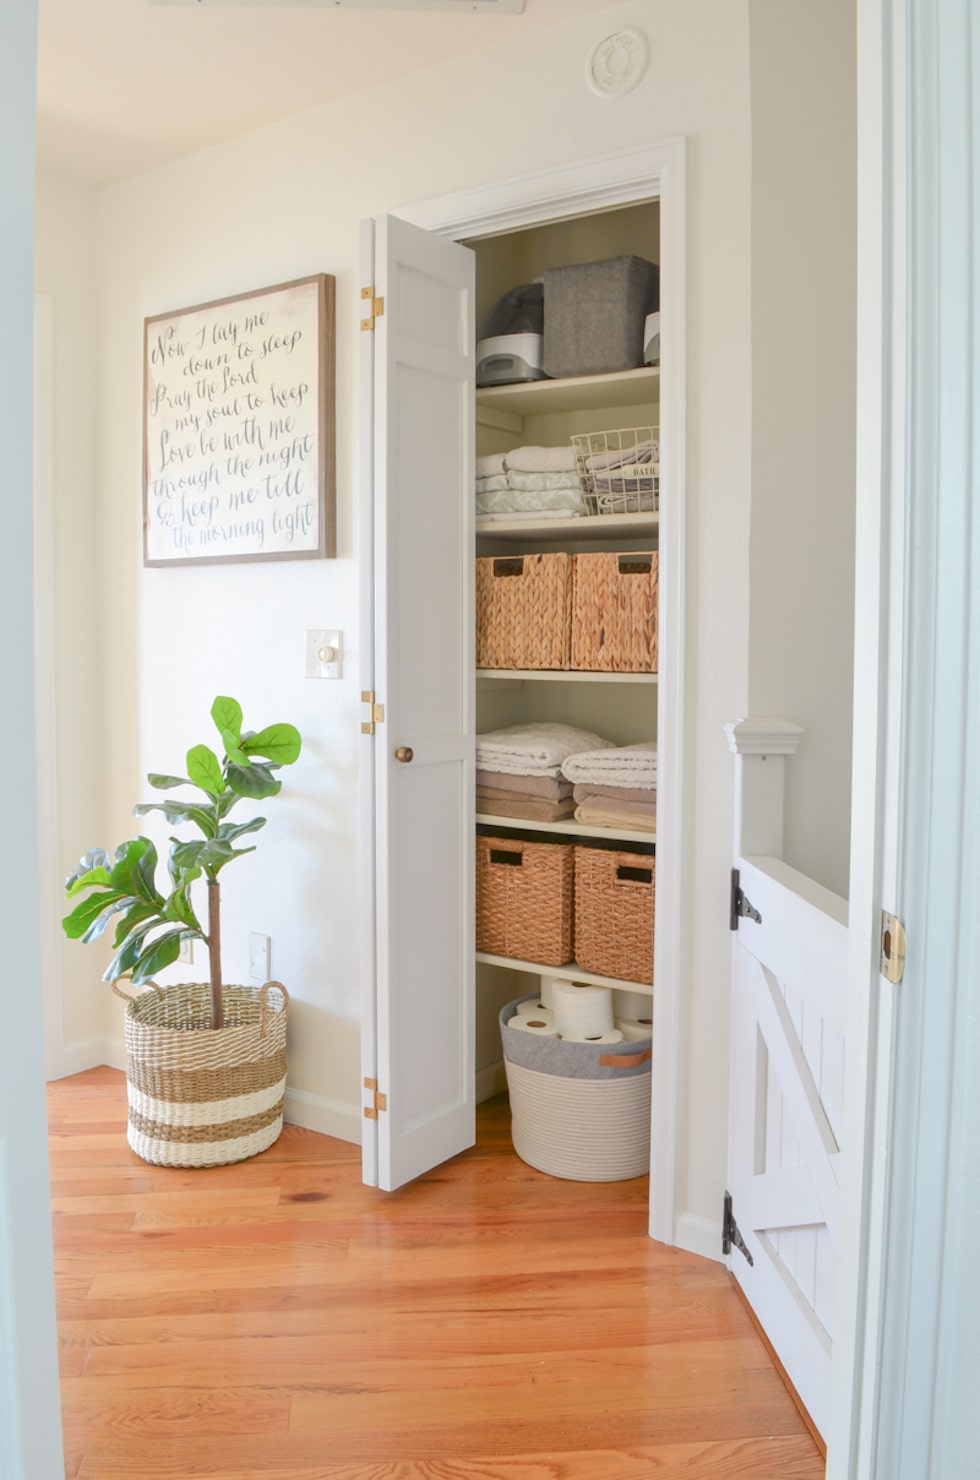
x=419 y=1039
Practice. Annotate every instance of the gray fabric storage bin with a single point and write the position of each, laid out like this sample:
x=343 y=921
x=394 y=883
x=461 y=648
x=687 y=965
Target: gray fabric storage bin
x=594 y=315
x=572 y=1115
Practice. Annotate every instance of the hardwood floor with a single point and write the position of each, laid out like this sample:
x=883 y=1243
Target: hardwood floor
x=277 y=1320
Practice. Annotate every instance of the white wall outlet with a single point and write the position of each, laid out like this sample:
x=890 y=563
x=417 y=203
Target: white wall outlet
x=324 y=652
x=258 y=956
x=186 y=952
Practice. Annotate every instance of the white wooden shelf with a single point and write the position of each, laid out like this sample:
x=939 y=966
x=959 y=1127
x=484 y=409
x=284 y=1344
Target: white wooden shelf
x=570 y=973
x=586 y=526
x=506 y=406
x=563 y=675
x=571 y=828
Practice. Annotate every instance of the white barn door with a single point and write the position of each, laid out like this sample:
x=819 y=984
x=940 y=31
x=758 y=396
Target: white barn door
x=789 y=970
x=418 y=661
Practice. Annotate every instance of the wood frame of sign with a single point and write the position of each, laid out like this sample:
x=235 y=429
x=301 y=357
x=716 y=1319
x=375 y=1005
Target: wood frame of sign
x=239 y=428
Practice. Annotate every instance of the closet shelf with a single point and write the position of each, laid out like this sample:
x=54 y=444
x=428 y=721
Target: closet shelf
x=506 y=406
x=566 y=973
x=586 y=526
x=563 y=675
x=569 y=828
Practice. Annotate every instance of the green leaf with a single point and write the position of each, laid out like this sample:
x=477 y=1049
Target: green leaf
x=186 y=856
x=227 y=715
x=137 y=914
x=255 y=781
x=182 y=874
x=127 y=958
x=279 y=743
x=134 y=868
x=164 y=783
x=177 y=812
x=204 y=769
x=229 y=831
x=77 y=923
x=76 y=884
x=101 y=921
x=179 y=908
x=159 y=953
x=95 y=858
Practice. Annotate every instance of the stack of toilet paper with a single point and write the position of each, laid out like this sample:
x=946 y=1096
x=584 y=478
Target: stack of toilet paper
x=585 y=1014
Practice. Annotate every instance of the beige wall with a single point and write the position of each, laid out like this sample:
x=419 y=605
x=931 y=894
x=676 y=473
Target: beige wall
x=804 y=266
x=284 y=202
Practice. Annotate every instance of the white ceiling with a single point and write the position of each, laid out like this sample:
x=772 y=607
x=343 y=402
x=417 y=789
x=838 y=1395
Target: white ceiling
x=124 y=85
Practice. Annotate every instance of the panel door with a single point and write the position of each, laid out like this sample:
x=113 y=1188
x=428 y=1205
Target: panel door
x=787 y=1075
x=418 y=567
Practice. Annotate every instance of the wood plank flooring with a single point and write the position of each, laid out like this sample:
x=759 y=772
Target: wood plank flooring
x=277 y=1320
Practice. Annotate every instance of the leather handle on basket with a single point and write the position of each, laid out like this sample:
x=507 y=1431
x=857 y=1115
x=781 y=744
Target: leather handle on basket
x=125 y=995
x=263 y=1002
x=625 y=1060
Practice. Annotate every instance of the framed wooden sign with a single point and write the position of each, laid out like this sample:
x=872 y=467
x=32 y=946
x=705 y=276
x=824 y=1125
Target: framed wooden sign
x=239 y=428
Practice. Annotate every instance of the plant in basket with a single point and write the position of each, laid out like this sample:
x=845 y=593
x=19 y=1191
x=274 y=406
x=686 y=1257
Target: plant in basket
x=195 y=1097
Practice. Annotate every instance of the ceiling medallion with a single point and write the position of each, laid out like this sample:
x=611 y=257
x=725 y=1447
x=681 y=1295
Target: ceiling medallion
x=617 y=63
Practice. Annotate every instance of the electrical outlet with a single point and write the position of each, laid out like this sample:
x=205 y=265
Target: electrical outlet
x=258 y=956
x=186 y=952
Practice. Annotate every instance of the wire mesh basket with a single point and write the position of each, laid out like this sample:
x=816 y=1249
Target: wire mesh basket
x=620 y=470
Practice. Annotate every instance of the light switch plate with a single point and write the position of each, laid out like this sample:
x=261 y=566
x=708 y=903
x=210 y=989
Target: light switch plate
x=258 y=956
x=324 y=652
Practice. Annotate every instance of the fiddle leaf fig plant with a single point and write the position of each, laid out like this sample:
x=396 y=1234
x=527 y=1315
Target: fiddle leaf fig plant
x=150 y=927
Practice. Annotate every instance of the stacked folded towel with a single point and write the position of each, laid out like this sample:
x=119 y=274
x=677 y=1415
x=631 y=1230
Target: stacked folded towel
x=625 y=479
x=528 y=480
x=615 y=786
x=519 y=770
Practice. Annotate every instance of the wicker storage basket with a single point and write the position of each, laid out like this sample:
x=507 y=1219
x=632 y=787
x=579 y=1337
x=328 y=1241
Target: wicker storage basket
x=523 y=611
x=614 y=612
x=578 y=1110
x=524 y=899
x=202 y=1096
x=614 y=895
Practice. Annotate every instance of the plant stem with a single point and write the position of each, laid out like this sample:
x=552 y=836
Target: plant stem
x=214 y=951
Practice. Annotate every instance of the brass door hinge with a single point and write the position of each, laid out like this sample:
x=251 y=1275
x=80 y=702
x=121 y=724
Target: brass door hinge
x=892 y=963
x=379 y=1101
x=377 y=712
x=377 y=307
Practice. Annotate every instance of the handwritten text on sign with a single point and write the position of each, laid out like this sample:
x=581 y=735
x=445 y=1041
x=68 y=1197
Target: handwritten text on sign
x=233 y=462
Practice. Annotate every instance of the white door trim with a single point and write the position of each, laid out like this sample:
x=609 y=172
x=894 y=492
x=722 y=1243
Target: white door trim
x=633 y=175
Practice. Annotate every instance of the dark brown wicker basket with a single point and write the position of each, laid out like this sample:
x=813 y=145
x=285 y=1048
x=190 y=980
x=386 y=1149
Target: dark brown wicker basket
x=524 y=900
x=614 y=895
x=523 y=611
x=614 y=612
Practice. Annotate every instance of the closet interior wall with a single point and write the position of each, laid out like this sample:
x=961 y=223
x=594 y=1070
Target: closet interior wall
x=621 y=712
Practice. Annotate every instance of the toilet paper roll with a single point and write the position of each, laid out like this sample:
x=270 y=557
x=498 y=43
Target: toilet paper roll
x=582 y=1011
x=634 y=1029
x=632 y=1005
x=534 y=1008
x=538 y=1026
x=613 y=1036
x=546 y=991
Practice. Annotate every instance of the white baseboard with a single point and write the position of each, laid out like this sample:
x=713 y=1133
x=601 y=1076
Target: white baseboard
x=320 y=1113
x=85 y=1053
x=699 y=1236
x=490 y=1081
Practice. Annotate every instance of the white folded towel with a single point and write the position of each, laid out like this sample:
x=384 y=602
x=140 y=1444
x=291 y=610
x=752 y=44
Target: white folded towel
x=533 y=750
x=490 y=464
x=618 y=765
x=519 y=514
x=535 y=482
x=518 y=500
x=490 y=482
x=541 y=459
x=618 y=457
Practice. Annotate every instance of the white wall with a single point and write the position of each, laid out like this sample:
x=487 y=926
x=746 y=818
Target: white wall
x=804 y=266
x=65 y=270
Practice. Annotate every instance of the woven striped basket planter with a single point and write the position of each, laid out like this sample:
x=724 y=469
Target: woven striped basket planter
x=579 y=1111
x=202 y=1096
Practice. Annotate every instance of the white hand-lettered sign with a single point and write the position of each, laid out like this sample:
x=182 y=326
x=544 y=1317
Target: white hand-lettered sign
x=238 y=428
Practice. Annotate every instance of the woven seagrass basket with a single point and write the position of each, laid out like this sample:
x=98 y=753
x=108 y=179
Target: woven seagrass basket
x=523 y=611
x=202 y=1096
x=614 y=612
x=614 y=900
x=524 y=899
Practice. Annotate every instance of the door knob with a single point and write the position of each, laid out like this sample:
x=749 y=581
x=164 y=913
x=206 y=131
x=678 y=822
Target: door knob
x=404 y=753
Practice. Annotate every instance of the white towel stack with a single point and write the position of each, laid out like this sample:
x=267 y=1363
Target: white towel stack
x=528 y=480
x=615 y=787
x=533 y=750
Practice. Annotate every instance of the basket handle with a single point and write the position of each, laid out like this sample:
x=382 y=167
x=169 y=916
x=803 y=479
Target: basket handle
x=509 y=565
x=125 y=995
x=263 y=1002
x=625 y=1060
x=512 y=858
x=630 y=874
x=635 y=565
